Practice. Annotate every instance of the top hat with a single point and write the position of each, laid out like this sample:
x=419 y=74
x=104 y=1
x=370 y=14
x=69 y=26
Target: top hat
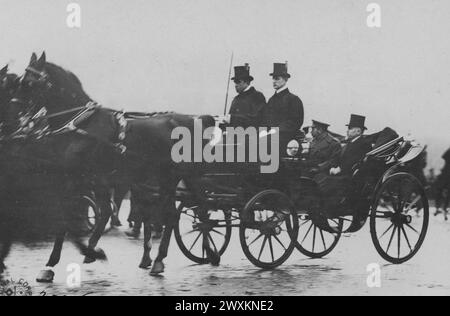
x=324 y=126
x=357 y=121
x=280 y=70
x=242 y=73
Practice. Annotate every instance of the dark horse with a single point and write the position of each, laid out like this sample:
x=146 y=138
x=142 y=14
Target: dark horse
x=442 y=187
x=97 y=145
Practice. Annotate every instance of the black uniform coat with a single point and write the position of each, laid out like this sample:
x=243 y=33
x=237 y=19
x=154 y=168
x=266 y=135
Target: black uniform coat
x=246 y=109
x=324 y=149
x=285 y=111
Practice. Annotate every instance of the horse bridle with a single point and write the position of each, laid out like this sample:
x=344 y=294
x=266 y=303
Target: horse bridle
x=42 y=75
x=31 y=116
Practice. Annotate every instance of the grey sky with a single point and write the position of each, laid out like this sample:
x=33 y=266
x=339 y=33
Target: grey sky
x=174 y=55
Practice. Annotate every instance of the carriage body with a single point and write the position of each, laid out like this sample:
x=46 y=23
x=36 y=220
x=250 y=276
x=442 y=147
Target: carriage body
x=226 y=197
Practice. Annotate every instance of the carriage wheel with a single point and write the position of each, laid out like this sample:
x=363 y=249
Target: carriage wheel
x=399 y=219
x=92 y=212
x=192 y=230
x=269 y=229
x=316 y=242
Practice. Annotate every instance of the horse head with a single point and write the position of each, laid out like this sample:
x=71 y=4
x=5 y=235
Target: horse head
x=45 y=86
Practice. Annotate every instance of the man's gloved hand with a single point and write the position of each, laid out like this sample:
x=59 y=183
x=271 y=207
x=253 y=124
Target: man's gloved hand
x=335 y=171
x=224 y=120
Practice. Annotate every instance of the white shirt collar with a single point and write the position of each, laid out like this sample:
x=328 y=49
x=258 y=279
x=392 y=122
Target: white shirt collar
x=248 y=88
x=282 y=89
x=355 y=139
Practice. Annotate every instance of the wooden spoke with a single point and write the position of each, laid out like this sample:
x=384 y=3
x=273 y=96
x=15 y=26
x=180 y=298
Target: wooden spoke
x=307 y=233
x=387 y=230
x=271 y=249
x=407 y=239
x=323 y=240
x=256 y=239
x=195 y=242
x=392 y=238
x=262 y=248
x=279 y=241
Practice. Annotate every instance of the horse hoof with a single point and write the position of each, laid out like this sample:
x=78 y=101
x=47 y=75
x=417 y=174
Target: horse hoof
x=99 y=254
x=213 y=257
x=215 y=260
x=45 y=276
x=93 y=255
x=157 y=269
x=116 y=223
x=146 y=263
x=88 y=260
x=135 y=234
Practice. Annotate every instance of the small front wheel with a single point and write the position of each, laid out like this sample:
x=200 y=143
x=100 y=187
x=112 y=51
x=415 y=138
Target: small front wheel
x=193 y=228
x=269 y=229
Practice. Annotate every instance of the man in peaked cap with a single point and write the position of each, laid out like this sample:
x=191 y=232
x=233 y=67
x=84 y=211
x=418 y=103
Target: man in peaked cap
x=247 y=105
x=284 y=110
x=324 y=148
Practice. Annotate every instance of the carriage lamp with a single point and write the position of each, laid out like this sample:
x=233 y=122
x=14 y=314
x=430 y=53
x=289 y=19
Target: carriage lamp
x=293 y=148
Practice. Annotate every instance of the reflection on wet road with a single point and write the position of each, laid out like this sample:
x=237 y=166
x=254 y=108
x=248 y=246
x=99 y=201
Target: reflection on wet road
x=343 y=272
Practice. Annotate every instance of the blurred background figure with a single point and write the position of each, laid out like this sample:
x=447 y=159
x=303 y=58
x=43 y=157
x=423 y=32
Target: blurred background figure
x=443 y=187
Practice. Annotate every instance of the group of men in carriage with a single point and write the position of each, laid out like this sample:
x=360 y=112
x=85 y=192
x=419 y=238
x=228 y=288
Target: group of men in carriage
x=329 y=157
x=329 y=162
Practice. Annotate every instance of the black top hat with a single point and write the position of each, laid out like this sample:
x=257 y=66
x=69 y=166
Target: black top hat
x=242 y=73
x=280 y=70
x=357 y=121
x=324 y=126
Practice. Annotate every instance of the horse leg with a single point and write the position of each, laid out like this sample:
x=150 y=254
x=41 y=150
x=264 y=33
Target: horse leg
x=136 y=207
x=6 y=248
x=120 y=191
x=95 y=254
x=106 y=211
x=146 y=261
x=159 y=267
x=446 y=204
x=47 y=275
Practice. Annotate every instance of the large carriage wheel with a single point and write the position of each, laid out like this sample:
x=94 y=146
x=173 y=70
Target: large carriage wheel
x=269 y=229
x=193 y=229
x=316 y=241
x=399 y=218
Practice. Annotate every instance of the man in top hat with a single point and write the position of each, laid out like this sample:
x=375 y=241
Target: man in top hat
x=247 y=105
x=284 y=110
x=324 y=148
x=357 y=146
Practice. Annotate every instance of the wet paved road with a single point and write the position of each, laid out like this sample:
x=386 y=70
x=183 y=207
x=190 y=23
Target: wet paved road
x=342 y=273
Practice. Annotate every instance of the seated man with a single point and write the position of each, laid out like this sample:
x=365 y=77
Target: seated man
x=324 y=149
x=336 y=185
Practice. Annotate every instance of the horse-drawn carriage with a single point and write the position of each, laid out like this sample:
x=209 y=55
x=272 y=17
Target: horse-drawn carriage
x=277 y=213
